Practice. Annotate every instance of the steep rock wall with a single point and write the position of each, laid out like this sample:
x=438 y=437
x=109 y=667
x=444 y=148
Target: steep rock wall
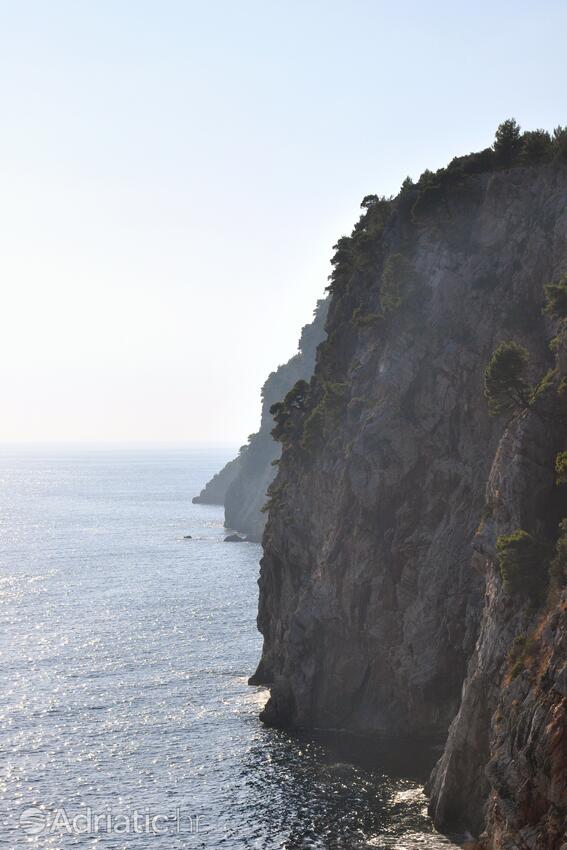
x=370 y=607
x=508 y=743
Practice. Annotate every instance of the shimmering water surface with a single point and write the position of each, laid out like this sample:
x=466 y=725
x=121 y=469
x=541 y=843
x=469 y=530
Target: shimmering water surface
x=126 y=720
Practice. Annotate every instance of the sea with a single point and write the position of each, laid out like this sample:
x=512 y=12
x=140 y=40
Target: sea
x=126 y=720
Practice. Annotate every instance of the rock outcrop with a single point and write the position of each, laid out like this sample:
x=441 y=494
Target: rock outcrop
x=234 y=538
x=381 y=602
x=243 y=483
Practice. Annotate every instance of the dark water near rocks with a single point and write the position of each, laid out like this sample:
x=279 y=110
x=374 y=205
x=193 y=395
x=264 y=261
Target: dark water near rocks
x=126 y=721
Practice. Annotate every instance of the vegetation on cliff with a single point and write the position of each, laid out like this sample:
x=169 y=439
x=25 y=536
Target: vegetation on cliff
x=525 y=562
x=505 y=385
x=360 y=253
x=523 y=566
x=556 y=299
x=243 y=483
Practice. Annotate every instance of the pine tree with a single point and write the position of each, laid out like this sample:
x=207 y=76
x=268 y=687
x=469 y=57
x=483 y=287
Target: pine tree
x=508 y=141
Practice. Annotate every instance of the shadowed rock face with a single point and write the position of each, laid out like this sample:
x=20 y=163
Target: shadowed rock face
x=507 y=747
x=370 y=603
x=214 y=491
x=243 y=483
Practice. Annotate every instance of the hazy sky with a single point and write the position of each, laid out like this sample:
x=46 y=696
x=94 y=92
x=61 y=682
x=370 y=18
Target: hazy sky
x=174 y=174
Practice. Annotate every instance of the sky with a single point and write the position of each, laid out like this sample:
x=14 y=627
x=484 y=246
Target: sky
x=173 y=175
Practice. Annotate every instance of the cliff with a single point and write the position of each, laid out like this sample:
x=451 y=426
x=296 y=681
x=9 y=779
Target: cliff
x=243 y=483
x=214 y=491
x=382 y=605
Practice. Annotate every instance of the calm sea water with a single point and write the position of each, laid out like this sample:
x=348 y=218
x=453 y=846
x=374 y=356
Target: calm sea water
x=126 y=720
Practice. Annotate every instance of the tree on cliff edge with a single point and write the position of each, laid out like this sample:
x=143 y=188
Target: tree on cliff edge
x=508 y=141
x=505 y=384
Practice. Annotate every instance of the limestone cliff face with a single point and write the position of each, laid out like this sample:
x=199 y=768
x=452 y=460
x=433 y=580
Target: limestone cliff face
x=243 y=483
x=508 y=743
x=372 y=606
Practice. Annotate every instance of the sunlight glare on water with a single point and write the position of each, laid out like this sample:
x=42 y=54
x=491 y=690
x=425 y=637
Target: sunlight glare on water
x=125 y=656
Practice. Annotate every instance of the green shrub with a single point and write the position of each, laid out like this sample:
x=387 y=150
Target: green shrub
x=431 y=193
x=558 y=567
x=283 y=411
x=476 y=163
x=536 y=146
x=369 y=201
x=435 y=188
x=275 y=493
x=324 y=414
x=398 y=283
x=523 y=649
x=561 y=468
x=546 y=385
x=505 y=384
x=342 y=262
x=556 y=299
x=560 y=142
x=522 y=564
x=361 y=319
